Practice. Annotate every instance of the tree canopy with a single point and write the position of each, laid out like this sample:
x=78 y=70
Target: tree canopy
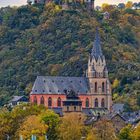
x=47 y=40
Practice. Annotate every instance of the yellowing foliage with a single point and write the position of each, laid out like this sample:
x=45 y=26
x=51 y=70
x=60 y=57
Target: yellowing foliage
x=116 y=83
x=107 y=7
x=129 y=4
x=92 y=135
x=71 y=127
x=136 y=134
x=33 y=125
x=105 y=130
x=129 y=56
x=115 y=96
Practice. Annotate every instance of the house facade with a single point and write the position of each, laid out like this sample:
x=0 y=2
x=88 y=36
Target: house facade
x=77 y=93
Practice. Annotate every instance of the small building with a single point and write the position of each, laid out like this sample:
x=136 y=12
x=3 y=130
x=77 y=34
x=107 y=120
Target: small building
x=118 y=122
x=106 y=15
x=16 y=100
x=116 y=119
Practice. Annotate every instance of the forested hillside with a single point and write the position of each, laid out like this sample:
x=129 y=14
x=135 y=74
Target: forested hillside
x=46 y=40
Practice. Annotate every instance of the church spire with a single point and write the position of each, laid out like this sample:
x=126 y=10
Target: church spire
x=96 y=50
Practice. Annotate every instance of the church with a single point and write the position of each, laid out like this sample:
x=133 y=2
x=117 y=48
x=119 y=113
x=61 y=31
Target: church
x=76 y=94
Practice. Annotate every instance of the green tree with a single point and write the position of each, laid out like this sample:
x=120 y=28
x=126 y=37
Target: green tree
x=10 y=121
x=52 y=120
x=125 y=133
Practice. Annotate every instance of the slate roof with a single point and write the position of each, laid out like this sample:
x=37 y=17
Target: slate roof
x=117 y=114
x=58 y=111
x=118 y=108
x=132 y=117
x=16 y=98
x=59 y=85
x=110 y=116
x=94 y=111
x=96 y=50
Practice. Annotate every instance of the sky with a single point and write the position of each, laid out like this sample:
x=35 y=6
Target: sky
x=4 y=3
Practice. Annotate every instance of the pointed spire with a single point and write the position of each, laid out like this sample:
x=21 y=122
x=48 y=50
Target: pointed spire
x=96 y=50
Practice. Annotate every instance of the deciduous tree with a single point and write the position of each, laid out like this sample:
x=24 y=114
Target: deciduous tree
x=125 y=133
x=33 y=125
x=71 y=127
x=105 y=130
x=52 y=120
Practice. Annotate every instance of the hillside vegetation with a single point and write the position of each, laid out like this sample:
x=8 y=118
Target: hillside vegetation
x=37 y=40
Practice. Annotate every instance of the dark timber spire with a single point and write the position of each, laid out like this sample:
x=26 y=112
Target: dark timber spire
x=96 y=50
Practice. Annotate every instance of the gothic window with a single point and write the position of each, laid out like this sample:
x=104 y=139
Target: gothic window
x=59 y=102
x=103 y=103
x=74 y=108
x=103 y=87
x=42 y=100
x=67 y=108
x=35 y=100
x=96 y=102
x=49 y=102
x=95 y=86
x=87 y=102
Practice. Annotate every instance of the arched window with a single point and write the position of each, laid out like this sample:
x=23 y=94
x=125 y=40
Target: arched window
x=35 y=100
x=49 y=102
x=67 y=108
x=103 y=103
x=103 y=87
x=87 y=102
x=42 y=100
x=59 y=102
x=95 y=86
x=96 y=102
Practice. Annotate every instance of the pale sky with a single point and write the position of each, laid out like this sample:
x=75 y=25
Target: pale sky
x=4 y=3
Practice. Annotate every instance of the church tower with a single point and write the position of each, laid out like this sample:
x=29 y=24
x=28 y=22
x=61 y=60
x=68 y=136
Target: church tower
x=97 y=74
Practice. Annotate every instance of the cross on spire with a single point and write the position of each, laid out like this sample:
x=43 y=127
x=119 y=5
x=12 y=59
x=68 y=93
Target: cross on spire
x=96 y=50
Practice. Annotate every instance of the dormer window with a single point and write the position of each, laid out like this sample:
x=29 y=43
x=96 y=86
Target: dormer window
x=65 y=90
